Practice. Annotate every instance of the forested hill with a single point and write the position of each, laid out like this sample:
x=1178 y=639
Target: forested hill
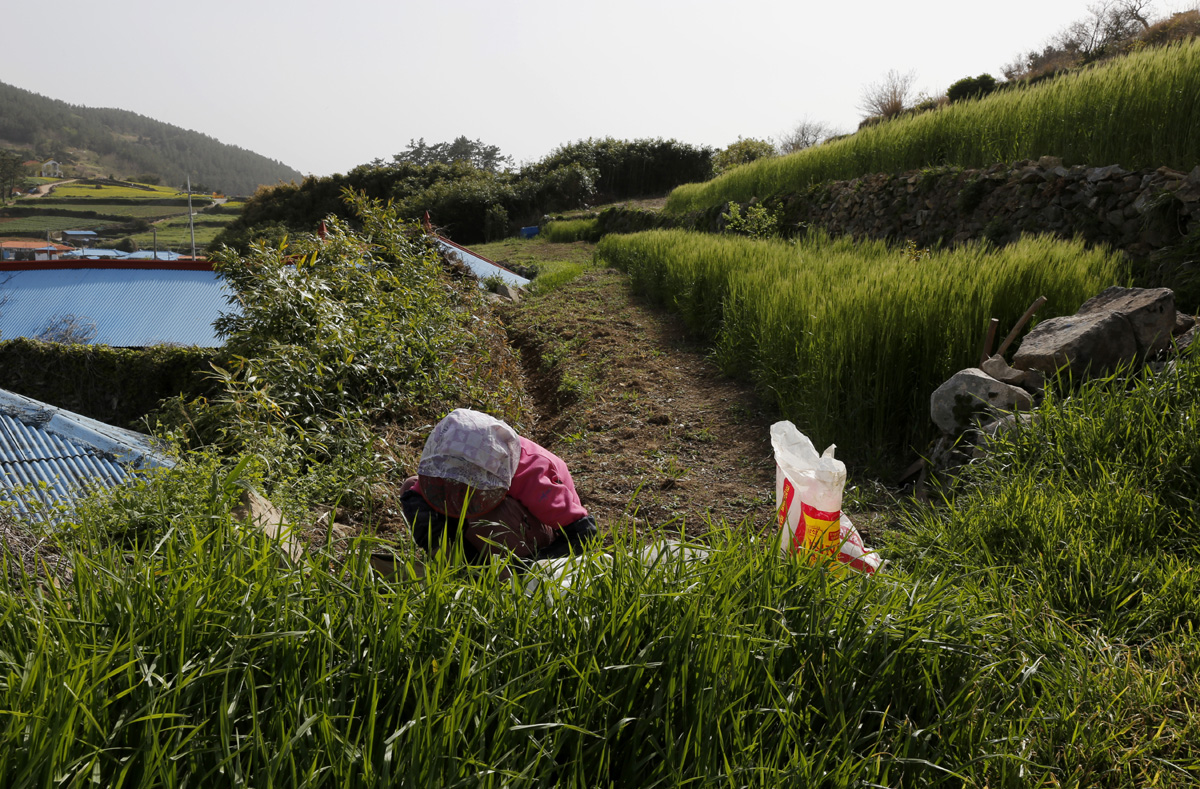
x=90 y=141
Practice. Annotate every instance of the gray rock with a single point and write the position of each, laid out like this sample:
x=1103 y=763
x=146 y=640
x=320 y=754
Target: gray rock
x=1183 y=323
x=999 y=369
x=968 y=392
x=1118 y=326
x=1101 y=173
x=1000 y=429
x=1185 y=340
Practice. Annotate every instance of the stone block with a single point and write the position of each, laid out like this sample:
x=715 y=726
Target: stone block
x=970 y=392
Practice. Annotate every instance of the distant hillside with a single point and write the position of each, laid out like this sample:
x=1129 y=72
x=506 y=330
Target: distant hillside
x=123 y=144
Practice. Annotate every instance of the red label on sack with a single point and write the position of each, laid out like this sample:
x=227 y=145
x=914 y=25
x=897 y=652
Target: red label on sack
x=817 y=530
x=789 y=492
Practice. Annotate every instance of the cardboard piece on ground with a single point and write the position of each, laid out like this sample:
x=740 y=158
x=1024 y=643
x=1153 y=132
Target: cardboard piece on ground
x=261 y=514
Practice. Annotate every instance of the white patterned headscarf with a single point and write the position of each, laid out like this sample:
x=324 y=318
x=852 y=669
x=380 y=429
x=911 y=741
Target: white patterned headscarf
x=473 y=448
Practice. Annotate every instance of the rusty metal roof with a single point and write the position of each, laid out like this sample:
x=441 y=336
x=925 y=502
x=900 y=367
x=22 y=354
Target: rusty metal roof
x=49 y=456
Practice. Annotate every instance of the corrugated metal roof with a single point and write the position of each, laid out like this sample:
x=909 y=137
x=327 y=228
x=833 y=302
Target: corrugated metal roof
x=481 y=266
x=88 y=252
x=150 y=254
x=130 y=307
x=49 y=455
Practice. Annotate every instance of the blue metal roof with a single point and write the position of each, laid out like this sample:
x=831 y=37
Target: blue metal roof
x=49 y=456
x=88 y=252
x=149 y=254
x=481 y=266
x=130 y=307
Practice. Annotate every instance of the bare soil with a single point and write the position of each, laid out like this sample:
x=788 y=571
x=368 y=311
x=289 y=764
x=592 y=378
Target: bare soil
x=655 y=437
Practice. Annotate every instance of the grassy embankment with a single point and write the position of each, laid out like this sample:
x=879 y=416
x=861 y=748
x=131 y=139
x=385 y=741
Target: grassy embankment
x=850 y=338
x=1137 y=111
x=555 y=262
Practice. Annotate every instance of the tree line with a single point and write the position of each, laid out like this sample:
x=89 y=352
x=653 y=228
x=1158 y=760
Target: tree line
x=466 y=193
x=46 y=128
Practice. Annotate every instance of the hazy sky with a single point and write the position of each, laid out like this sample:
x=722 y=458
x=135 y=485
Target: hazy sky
x=324 y=86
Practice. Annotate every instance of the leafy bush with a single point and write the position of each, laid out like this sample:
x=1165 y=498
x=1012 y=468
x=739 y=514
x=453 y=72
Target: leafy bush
x=758 y=221
x=116 y=385
x=971 y=87
x=340 y=335
x=459 y=195
x=633 y=168
x=742 y=152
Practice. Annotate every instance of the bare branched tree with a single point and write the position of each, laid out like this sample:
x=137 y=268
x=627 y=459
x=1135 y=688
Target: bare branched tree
x=69 y=329
x=5 y=294
x=890 y=96
x=805 y=134
x=1108 y=24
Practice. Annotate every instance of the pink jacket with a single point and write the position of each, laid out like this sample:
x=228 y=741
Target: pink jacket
x=543 y=484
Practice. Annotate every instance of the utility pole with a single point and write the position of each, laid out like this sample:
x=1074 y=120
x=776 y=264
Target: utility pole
x=191 y=218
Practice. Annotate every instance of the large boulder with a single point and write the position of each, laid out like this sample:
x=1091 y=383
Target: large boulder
x=968 y=392
x=1119 y=326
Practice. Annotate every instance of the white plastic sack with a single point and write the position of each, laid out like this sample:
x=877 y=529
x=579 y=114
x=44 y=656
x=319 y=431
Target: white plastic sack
x=808 y=503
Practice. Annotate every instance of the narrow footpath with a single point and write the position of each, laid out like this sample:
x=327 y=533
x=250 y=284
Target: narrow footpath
x=655 y=437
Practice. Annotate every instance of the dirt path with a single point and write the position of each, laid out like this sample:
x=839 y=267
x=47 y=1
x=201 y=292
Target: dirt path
x=652 y=433
x=45 y=189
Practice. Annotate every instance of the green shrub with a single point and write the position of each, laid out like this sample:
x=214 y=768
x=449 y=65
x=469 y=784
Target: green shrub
x=971 y=88
x=120 y=386
x=742 y=152
x=633 y=168
x=495 y=223
x=340 y=335
x=758 y=221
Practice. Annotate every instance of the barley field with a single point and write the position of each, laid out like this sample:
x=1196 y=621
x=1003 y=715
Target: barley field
x=1138 y=111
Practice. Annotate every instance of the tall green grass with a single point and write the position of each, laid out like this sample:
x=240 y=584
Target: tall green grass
x=1138 y=111
x=194 y=655
x=1035 y=630
x=851 y=338
x=569 y=230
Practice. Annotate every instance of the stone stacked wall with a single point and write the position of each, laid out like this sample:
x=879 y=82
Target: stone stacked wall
x=1139 y=212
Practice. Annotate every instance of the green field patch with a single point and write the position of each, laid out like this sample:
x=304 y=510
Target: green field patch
x=175 y=235
x=101 y=191
x=116 y=209
x=26 y=225
x=850 y=338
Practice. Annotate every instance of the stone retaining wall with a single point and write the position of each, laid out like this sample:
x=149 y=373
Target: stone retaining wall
x=1139 y=212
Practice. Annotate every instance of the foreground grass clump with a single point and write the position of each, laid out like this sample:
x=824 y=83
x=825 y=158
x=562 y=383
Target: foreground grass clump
x=1137 y=111
x=850 y=338
x=194 y=654
x=1088 y=515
